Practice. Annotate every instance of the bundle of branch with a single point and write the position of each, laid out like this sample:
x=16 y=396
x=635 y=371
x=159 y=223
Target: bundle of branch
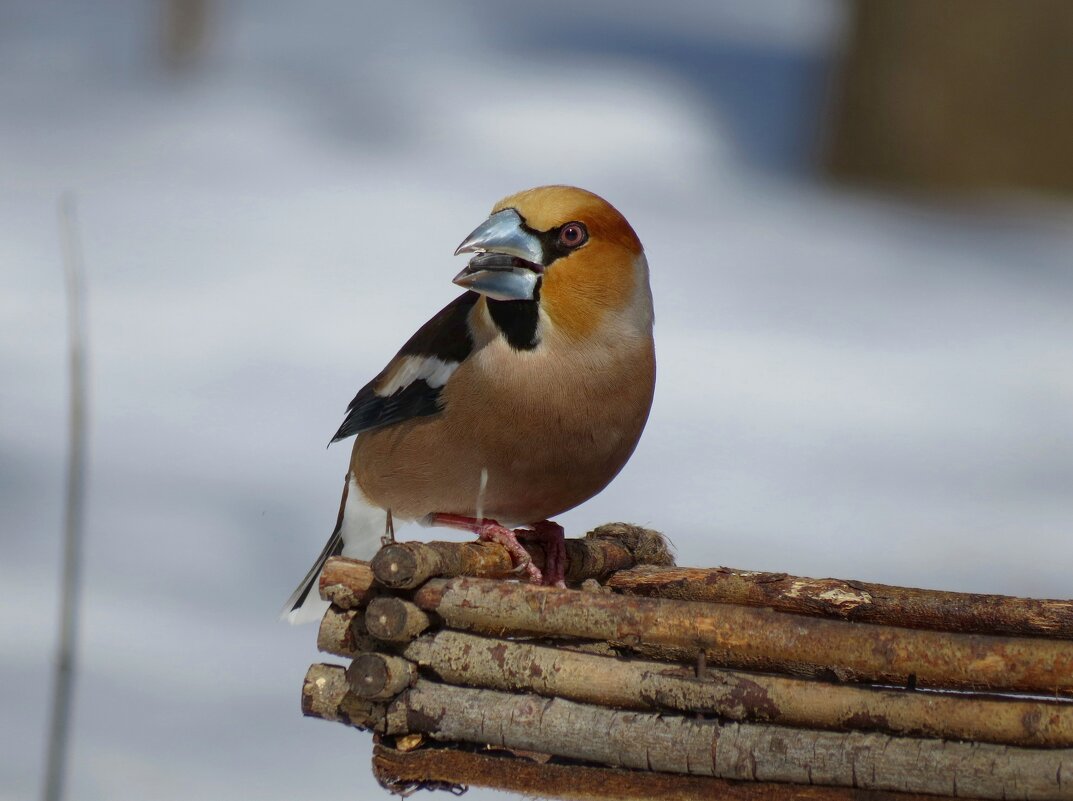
x=683 y=682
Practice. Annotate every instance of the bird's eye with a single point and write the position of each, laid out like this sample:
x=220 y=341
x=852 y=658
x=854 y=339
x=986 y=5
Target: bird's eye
x=572 y=235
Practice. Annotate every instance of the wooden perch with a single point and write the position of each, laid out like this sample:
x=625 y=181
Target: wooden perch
x=474 y=661
x=755 y=639
x=762 y=700
x=853 y=600
x=609 y=548
x=674 y=744
x=448 y=768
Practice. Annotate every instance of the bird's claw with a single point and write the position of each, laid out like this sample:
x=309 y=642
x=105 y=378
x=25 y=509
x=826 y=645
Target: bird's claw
x=551 y=537
x=490 y=531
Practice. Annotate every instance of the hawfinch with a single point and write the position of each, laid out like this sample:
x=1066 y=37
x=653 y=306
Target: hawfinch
x=519 y=400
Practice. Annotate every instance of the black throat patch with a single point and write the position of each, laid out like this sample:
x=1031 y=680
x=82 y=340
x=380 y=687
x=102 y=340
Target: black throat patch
x=517 y=319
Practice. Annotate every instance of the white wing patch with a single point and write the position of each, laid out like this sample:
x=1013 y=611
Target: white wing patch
x=435 y=373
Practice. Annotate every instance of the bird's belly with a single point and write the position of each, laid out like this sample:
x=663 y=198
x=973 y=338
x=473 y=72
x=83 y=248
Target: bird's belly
x=505 y=450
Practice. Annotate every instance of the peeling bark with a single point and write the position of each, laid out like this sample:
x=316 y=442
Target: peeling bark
x=436 y=767
x=347 y=583
x=756 y=639
x=853 y=600
x=475 y=661
x=758 y=752
x=334 y=635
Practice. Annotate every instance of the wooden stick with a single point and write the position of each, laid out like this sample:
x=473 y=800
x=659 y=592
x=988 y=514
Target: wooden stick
x=326 y=695
x=467 y=659
x=342 y=633
x=347 y=583
x=605 y=550
x=405 y=565
x=757 y=752
x=378 y=677
x=756 y=639
x=853 y=600
x=336 y=634
x=394 y=619
x=448 y=767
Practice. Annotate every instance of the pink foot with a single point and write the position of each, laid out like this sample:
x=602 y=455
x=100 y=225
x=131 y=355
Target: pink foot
x=491 y=531
x=552 y=537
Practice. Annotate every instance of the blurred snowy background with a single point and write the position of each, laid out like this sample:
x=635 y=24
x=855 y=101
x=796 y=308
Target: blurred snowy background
x=851 y=384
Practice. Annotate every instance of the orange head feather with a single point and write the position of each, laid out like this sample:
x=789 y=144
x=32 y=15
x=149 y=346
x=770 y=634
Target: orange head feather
x=600 y=276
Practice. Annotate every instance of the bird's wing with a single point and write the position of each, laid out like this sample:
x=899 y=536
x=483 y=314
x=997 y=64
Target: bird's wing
x=411 y=383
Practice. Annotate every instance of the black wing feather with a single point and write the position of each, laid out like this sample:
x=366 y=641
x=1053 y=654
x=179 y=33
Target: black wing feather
x=446 y=336
x=369 y=410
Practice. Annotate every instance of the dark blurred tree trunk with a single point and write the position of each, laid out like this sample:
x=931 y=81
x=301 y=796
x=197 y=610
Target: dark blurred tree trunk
x=186 y=28
x=956 y=95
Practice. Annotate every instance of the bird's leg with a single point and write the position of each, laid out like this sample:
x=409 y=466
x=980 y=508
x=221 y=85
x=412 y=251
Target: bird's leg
x=551 y=536
x=491 y=531
x=389 y=531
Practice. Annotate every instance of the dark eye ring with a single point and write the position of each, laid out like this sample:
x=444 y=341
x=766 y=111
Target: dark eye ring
x=573 y=235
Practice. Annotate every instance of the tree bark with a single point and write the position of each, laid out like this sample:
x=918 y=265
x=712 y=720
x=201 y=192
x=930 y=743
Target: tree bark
x=853 y=600
x=467 y=659
x=347 y=583
x=439 y=767
x=756 y=639
x=395 y=620
x=380 y=677
x=336 y=634
x=406 y=565
x=616 y=546
x=675 y=744
x=342 y=633
x=326 y=695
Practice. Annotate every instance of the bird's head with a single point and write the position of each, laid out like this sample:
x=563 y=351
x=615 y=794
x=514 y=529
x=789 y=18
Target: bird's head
x=564 y=248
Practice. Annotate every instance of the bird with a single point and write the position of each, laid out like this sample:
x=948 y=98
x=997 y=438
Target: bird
x=519 y=400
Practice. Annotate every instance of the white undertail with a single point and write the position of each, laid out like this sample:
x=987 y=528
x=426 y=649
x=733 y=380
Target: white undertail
x=357 y=535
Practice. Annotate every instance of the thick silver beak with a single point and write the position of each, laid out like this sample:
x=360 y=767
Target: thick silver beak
x=508 y=261
x=503 y=233
x=499 y=277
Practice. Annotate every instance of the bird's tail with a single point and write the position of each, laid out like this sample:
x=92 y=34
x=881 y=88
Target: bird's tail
x=357 y=534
